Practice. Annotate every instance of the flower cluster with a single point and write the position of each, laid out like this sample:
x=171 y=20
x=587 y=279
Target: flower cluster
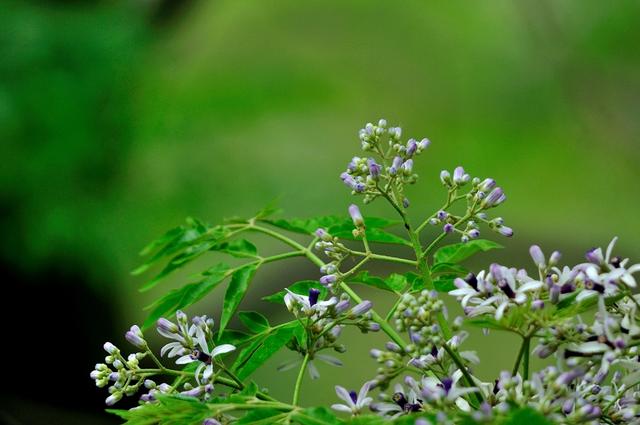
x=324 y=322
x=119 y=373
x=364 y=175
x=483 y=195
x=191 y=343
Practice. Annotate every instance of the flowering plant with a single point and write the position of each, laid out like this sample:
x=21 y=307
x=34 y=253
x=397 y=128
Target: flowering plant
x=583 y=319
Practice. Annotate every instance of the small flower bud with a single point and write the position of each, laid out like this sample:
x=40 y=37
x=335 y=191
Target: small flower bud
x=445 y=178
x=354 y=212
x=447 y=228
x=361 y=308
x=538 y=256
x=460 y=177
x=110 y=348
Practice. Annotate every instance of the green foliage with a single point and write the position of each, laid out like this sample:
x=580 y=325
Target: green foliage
x=342 y=227
x=263 y=346
x=236 y=291
x=316 y=416
x=254 y=321
x=183 y=297
x=169 y=410
x=458 y=252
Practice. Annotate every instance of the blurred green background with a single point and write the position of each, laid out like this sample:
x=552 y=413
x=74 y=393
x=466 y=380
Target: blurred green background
x=118 y=119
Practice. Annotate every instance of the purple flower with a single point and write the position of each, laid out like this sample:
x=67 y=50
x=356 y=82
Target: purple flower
x=495 y=198
x=505 y=231
x=354 y=212
x=210 y=421
x=447 y=228
x=445 y=178
x=328 y=279
x=361 y=308
x=474 y=233
x=135 y=337
x=374 y=169
x=487 y=185
x=538 y=256
x=407 y=167
x=424 y=143
x=395 y=165
x=323 y=234
x=459 y=176
x=355 y=403
x=412 y=147
x=313 y=296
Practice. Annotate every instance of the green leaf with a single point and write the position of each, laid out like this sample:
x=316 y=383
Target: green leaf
x=487 y=322
x=445 y=283
x=450 y=268
x=168 y=410
x=235 y=292
x=415 y=280
x=270 y=209
x=259 y=351
x=266 y=416
x=526 y=415
x=239 y=248
x=310 y=225
x=171 y=235
x=365 y=278
x=373 y=234
x=316 y=416
x=302 y=287
x=461 y=251
x=397 y=282
x=176 y=240
x=254 y=321
x=231 y=336
x=183 y=297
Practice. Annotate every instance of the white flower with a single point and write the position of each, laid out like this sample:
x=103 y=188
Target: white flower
x=354 y=403
x=296 y=302
x=205 y=356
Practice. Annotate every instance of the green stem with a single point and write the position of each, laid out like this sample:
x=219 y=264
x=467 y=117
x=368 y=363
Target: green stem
x=296 y=390
x=386 y=328
x=385 y=258
x=526 y=358
x=516 y=366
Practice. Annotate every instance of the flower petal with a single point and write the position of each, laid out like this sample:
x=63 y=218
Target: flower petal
x=221 y=349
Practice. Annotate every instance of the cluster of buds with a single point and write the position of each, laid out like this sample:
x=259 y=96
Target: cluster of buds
x=119 y=373
x=563 y=396
x=335 y=250
x=366 y=176
x=327 y=318
x=482 y=195
x=324 y=321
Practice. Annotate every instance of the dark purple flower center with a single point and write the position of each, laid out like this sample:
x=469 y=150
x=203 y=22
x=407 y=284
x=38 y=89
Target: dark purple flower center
x=200 y=356
x=354 y=396
x=447 y=383
x=313 y=296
